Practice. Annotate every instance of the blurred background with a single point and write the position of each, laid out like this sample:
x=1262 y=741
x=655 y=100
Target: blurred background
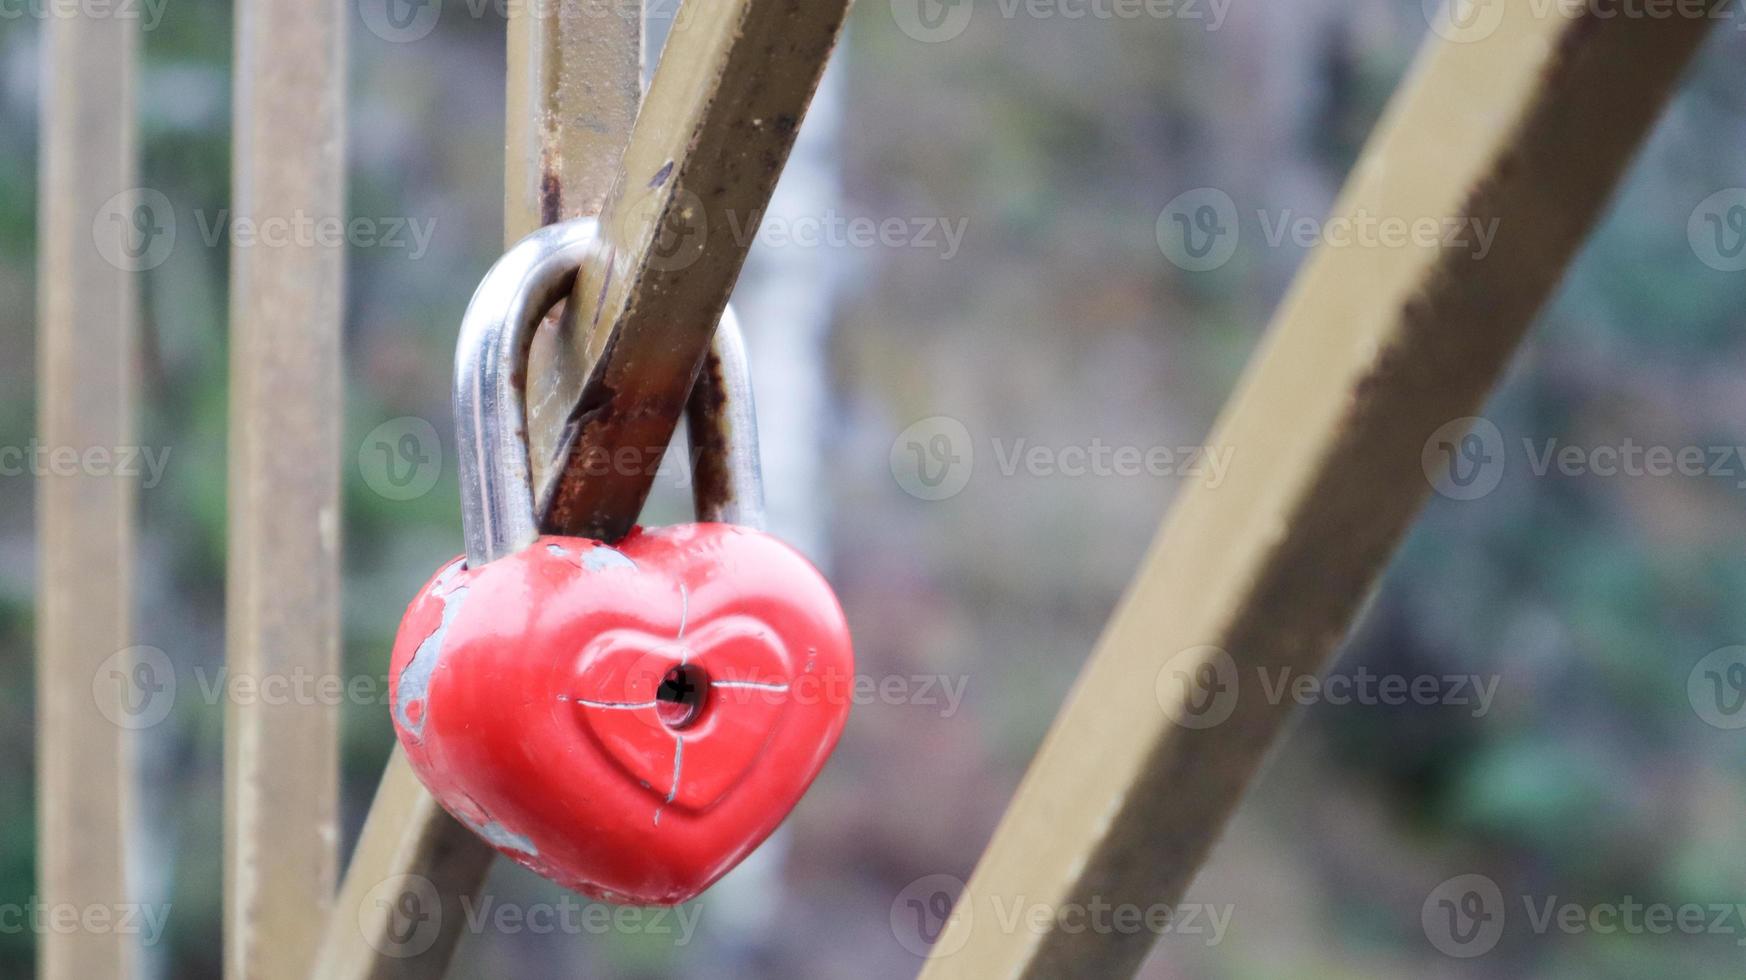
x=1034 y=174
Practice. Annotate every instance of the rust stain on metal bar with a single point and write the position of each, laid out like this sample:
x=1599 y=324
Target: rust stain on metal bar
x=721 y=117
x=710 y=434
x=575 y=83
x=1373 y=351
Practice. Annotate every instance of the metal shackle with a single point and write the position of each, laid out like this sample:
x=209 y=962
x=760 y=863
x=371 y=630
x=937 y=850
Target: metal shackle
x=497 y=496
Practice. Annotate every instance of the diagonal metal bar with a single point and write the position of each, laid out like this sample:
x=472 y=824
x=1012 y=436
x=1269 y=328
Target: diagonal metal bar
x=1374 y=350
x=726 y=102
x=399 y=912
x=95 y=230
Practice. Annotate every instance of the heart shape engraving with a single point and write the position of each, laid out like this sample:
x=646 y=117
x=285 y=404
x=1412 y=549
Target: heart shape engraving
x=629 y=721
x=716 y=696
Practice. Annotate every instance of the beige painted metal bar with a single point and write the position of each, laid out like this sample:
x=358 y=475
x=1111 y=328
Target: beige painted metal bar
x=282 y=753
x=399 y=913
x=573 y=87
x=575 y=83
x=1374 y=350
x=727 y=100
x=89 y=249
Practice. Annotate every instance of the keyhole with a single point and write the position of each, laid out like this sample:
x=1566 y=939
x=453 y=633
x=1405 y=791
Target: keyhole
x=679 y=699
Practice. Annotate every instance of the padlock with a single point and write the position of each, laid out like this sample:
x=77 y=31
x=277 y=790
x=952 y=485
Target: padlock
x=631 y=719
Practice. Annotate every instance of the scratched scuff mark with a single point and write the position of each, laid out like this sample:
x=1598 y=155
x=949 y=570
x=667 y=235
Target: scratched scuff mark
x=602 y=559
x=544 y=403
x=447 y=576
x=497 y=835
x=749 y=686
x=610 y=705
x=678 y=764
x=752 y=686
x=415 y=678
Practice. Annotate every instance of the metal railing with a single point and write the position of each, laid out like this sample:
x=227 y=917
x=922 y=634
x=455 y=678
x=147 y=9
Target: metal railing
x=1371 y=351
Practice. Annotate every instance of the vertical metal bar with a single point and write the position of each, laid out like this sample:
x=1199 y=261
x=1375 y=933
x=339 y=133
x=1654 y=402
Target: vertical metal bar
x=1374 y=353
x=282 y=753
x=573 y=86
x=575 y=83
x=90 y=249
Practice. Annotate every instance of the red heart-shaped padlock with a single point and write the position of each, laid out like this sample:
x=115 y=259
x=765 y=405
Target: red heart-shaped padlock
x=628 y=721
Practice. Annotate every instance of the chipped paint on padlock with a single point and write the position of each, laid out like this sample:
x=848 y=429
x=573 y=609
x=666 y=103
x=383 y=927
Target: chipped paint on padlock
x=544 y=715
x=413 y=680
x=631 y=720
